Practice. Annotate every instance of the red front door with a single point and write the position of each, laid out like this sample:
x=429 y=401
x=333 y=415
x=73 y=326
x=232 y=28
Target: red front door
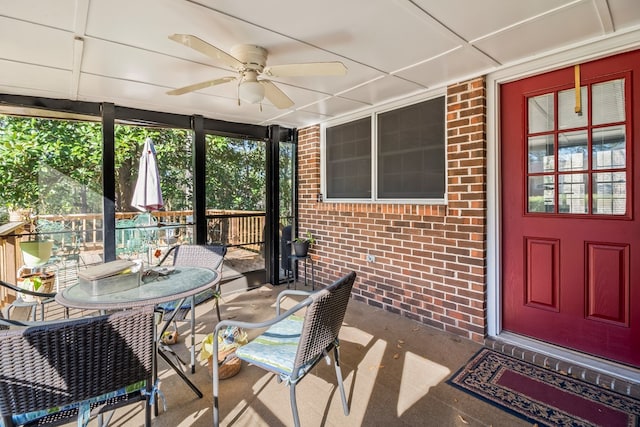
x=570 y=177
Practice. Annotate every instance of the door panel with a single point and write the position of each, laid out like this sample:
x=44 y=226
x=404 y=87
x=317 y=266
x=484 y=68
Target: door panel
x=542 y=285
x=570 y=205
x=608 y=283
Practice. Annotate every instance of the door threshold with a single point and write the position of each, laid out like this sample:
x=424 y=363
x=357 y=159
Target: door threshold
x=604 y=373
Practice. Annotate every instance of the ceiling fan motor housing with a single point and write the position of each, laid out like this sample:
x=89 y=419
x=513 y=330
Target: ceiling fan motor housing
x=254 y=57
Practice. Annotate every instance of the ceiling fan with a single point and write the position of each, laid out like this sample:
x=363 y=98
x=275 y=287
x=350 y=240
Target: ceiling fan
x=250 y=63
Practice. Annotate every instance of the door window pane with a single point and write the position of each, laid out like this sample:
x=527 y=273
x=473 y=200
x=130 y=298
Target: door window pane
x=541 y=154
x=567 y=116
x=583 y=156
x=236 y=199
x=609 y=148
x=541 y=194
x=608 y=102
x=609 y=193
x=572 y=151
x=572 y=194
x=541 y=113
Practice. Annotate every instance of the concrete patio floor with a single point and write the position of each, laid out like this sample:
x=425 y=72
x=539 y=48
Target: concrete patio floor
x=394 y=371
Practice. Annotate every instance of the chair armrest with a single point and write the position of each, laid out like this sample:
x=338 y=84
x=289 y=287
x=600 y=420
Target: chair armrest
x=27 y=291
x=9 y=324
x=257 y=325
x=286 y=292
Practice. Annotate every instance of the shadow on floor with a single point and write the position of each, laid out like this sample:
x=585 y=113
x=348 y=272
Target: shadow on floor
x=394 y=371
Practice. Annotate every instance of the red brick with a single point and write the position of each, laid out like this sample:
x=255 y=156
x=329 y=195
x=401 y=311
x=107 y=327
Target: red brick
x=418 y=272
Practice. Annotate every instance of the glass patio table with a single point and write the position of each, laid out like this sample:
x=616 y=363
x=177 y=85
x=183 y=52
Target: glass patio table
x=180 y=284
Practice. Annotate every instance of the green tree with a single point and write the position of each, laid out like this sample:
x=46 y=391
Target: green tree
x=235 y=173
x=49 y=164
x=55 y=167
x=286 y=181
x=173 y=149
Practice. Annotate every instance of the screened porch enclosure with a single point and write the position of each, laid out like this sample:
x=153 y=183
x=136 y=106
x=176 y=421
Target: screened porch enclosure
x=70 y=181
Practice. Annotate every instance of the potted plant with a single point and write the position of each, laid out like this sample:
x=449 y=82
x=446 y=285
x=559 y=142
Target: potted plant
x=36 y=253
x=301 y=245
x=37 y=282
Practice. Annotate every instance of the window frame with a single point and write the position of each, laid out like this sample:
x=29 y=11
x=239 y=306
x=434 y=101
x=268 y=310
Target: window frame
x=373 y=114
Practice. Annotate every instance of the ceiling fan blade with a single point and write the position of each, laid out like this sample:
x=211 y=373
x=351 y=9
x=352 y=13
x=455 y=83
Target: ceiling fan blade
x=202 y=85
x=208 y=49
x=307 y=69
x=275 y=95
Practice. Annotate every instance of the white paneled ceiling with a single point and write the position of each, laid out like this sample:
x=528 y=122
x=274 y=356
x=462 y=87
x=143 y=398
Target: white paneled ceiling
x=119 y=51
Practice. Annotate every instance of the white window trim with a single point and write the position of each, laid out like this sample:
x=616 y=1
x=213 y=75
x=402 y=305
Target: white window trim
x=373 y=112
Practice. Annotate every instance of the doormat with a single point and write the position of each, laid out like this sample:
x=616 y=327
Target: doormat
x=543 y=396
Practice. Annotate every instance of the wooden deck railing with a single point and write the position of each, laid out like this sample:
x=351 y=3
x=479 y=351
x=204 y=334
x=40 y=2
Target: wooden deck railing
x=85 y=231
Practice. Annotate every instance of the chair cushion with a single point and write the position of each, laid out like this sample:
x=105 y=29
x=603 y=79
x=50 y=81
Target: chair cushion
x=29 y=417
x=275 y=350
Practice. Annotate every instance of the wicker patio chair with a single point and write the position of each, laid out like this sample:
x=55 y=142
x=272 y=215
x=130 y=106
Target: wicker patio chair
x=293 y=345
x=206 y=256
x=41 y=298
x=52 y=372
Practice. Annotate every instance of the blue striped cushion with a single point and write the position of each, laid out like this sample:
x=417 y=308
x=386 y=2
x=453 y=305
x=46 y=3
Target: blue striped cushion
x=20 y=419
x=275 y=349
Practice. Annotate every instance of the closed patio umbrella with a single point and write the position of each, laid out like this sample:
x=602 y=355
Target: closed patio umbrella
x=147 y=195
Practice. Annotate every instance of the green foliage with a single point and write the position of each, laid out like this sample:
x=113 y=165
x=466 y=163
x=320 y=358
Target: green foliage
x=39 y=158
x=173 y=149
x=235 y=173
x=55 y=167
x=287 y=172
x=34 y=283
x=308 y=237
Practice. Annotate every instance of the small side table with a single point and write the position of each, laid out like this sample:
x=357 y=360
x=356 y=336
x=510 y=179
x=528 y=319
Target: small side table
x=295 y=259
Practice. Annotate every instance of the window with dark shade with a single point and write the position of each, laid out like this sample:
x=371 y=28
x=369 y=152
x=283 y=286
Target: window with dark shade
x=411 y=152
x=397 y=154
x=348 y=164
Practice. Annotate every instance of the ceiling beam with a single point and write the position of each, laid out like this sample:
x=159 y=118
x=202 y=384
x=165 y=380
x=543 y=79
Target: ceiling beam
x=78 y=50
x=79 y=30
x=604 y=13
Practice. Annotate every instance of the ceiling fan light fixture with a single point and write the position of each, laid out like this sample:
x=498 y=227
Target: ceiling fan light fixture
x=251 y=91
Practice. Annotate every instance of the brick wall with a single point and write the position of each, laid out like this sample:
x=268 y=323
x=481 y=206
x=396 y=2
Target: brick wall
x=429 y=259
